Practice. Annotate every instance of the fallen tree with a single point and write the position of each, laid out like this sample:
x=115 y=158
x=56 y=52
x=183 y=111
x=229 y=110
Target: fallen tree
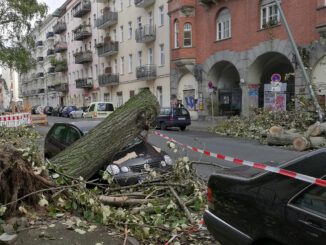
x=89 y=154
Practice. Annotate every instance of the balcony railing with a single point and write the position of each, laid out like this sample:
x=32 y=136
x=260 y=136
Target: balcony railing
x=144 y=3
x=146 y=33
x=59 y=27
x=58 y=12
x=51 y=70
x=50 y=52
x=61 y=67
x=60 y=47
x=146 y=72
x=82 y=32
x=40 y=59
x=83 y=57
x=84 y=83
x=107 y=19
x=50 y=35
x=107 y=49
x=82 y=8
x=40 y=75
x=61 y=87
x=108 y=79
x=39 y=44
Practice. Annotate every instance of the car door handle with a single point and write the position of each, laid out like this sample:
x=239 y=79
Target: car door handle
x=312 y=224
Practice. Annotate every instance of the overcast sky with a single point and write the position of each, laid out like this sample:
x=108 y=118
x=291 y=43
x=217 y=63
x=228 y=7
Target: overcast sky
x=53 y=4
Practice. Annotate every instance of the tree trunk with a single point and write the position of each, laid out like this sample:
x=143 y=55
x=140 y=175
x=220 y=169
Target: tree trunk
x=89 y=154
x=318 y=129
x=283 y=139
x=303 y=143
x=275 y=131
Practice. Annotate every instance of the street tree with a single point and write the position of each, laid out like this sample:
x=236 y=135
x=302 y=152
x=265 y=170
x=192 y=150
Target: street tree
x=16 y=19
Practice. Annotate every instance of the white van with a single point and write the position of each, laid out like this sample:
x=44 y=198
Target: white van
x=99 y=110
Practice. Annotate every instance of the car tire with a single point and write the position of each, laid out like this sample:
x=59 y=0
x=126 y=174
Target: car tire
x=183 y=128
x=163 y=125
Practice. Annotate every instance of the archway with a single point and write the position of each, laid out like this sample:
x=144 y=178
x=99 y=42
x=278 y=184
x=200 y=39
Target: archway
x=226 y=82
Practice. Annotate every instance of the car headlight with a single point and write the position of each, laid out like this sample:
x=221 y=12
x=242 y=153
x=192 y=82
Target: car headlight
x=113 y=169
x=124 y=169
x=163 y=163
x=168 y=159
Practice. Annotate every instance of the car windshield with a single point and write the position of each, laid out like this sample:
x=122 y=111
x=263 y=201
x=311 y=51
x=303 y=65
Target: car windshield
x=165 y=111
x=105 y=107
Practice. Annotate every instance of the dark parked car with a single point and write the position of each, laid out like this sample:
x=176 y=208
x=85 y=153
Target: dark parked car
x=35 y=109
x=173 y=117
x=66 y=111
x=48 y=110
x=251 y=206
x=129 y=166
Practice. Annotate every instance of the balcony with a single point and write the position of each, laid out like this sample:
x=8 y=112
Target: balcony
x=40 y=59
x=50 y=53
x=82 y=32
x=50 y=35
x=145 y=34
x=146 y=72
x=51 y=70
x=59 y=28
x=40 y=75
x=107 y=49
x=61 y=66
x=60 y=47
x=61 y=87
x=108 y=79
x=81 y=8
x=144 y=3
x=107 y=19
x=84 y=83
x=83 y=57
x=41 y=91
x=58 y=12
x=39 y=44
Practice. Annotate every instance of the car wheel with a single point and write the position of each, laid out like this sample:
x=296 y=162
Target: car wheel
x=163 y=125
x=183 y=128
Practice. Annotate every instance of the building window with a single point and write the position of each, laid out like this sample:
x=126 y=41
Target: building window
x=119 y=99
x=139 y=58
x=150 y=18
x=113 y=6
x=150 y=56
x=130 y=63
x=94 y=18
x=161 y=15
x=187 y=35
x=129 y=30
x=162 y=57
x=121 y=5
x=107 y=97
x=115 y=66
x=131 y=93
x=159 y=95
x=115 y=35
x=176 y=34
x=122 y=65
x=223 y=24
x=121 y=33
x=269 y=14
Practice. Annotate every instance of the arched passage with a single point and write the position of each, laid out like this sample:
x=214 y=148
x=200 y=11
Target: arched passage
x=226 y=81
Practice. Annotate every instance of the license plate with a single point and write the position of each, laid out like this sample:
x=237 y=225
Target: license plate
x=181 y=118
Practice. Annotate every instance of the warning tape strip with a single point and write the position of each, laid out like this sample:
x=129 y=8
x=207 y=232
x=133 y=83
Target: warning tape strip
x=256 y=165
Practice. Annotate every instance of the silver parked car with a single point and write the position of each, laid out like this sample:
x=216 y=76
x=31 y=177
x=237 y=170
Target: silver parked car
x=79 y=113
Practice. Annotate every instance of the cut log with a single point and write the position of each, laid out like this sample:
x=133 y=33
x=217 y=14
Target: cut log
x=312 y=130
x=318 y=129
x=89 y=154
x=275 y=131
x=123 y=201
x=286 y=138
x=303 y=143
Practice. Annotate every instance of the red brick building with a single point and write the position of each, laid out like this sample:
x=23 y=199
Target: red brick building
x=237 y=45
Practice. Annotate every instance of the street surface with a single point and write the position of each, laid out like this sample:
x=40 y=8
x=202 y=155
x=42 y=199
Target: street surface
x=239 y=148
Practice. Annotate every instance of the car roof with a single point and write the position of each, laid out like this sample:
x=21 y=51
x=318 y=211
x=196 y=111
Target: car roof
x=84 y=126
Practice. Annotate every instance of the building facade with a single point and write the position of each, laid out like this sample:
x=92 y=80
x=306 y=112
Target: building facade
x=96 y=50
x=8 y=87
x=225 y=53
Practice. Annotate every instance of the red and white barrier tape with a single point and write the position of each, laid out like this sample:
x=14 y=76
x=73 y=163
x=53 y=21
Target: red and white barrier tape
x=256 y=165
x=15 y=120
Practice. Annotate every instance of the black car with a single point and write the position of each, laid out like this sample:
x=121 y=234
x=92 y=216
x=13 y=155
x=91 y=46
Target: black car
x=173 y=117
x=251 y=206
x=129 y=166
x=48 y=110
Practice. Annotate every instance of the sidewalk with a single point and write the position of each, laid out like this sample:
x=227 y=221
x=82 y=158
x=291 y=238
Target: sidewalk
x=202 y=126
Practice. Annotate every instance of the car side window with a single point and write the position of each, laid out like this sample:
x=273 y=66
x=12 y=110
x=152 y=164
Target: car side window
x=58 y=132
x=72 y=135
x=313 y=199
x=92 y=107
x=184 y=112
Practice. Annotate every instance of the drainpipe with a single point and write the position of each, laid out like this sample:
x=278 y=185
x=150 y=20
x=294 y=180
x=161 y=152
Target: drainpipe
x=306 y=77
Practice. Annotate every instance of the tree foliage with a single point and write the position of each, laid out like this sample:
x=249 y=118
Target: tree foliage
x=16 y=18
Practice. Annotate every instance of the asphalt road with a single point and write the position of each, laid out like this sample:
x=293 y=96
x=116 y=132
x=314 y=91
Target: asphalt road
x=239 y=148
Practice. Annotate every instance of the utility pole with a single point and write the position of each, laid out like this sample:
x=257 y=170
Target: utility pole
x=306 y=77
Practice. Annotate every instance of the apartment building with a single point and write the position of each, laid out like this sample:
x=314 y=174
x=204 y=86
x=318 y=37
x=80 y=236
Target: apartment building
x=229 y=51
x=101 y=51
x=8 y=87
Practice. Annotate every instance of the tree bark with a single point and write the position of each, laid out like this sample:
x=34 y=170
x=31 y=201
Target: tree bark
x=97 y=148
x=318 y=129
x=303 y=143
x=275 y=131
x=283 y=139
